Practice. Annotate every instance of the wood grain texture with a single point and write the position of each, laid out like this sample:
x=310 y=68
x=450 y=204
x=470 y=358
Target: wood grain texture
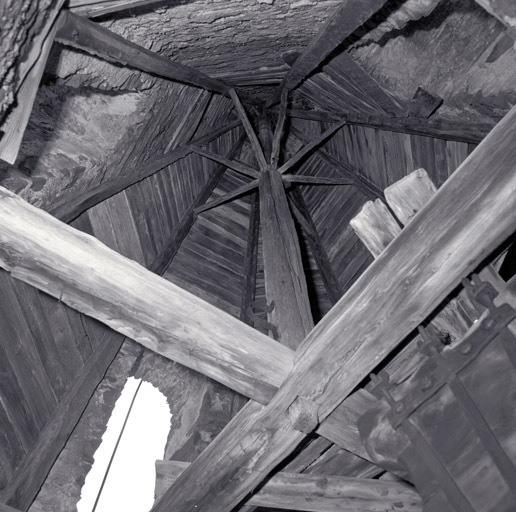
x=232 y=164
x=316 y=493
x=137 y=303
x=349 y=16
x=316 y=180
x=94 y=8
x=375 y=226
x=503 y=10
x=446 y=240
x=285 y=281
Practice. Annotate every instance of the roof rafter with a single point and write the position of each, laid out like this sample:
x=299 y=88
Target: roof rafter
x=92 y=8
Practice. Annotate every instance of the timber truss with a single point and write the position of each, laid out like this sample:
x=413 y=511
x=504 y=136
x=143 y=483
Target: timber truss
x=308 y=383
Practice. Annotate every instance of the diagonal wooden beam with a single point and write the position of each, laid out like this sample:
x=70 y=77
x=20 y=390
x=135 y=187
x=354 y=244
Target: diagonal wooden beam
x=93 y=8
x=349 y=16
x=316 y=180
x=253 y=139
x=308 y=148
x=87 y=36
x=228 y=197
x=446 y=240
x=97 y=281
x=240 y=167
x=316 y=493
x=69 y=209
x=504 y=11
x=370 y=189
x=32 y=69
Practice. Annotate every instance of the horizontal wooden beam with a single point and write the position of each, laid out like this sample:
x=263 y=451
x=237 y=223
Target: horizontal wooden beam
x=69 y=209
x=97 y=281
x=87 y=36
x=470 y=215
x=93 y=8
x=316 y=180
x=349 y=16
x=240 y=167
x=316 y=493
x=244 y=189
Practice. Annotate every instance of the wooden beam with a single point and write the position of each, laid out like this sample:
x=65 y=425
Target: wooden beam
x=285 y=281
x=304 y=151
x=279 y=131
x=97 y=281
x=240 y=167
x=349 y=16
x=251 y=261
x=14 y=125
x=253 y=139
x=316 y=493
x=366 y=186
x=316 y=180
x=165 y=259
x=244 y=189
x=93 y=8
x=504 y=11
x=302 y=215
x=7 y=508
x=69 y=209
x=85 y=35
x=460 y=131
x=471 y=214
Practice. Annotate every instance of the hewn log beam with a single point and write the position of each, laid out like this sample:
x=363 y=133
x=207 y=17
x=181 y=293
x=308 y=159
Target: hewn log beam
x=279 y=131
x=471 y=214
x=244 y=189
x=240 y=167
x=92 y=8
x=316 y=493
x=87 y=36
x=302 y=215
x=69 y=209
x=85 y=274
x=308 y=148
x=349 y=16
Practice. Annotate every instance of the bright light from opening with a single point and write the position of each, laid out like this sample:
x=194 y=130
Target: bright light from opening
x=130 y=483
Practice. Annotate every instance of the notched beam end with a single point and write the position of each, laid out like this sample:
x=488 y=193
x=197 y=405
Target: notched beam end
x=304 y=415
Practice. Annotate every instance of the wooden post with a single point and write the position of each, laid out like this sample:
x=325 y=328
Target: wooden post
x=285 y=281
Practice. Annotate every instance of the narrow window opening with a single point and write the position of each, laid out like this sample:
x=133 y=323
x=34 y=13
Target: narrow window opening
x=123 y=474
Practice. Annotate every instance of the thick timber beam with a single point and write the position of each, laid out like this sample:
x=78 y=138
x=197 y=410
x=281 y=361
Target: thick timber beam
x=88 y=276
x=503 y=10
x=87 y=36
x=469 y=216
x=316 y=493
x=349 y=16
x=93 y=8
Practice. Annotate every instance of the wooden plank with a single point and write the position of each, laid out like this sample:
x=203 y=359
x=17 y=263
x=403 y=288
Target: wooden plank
x=251 y=261
x=240 y=167
x=285 y=281
x=375 y=226
x=349 y=16
x=7 y=508
x=14 y=125
x=470 y=215
x=408 y=195
x=316 y=180
x=69 y=209
x=316 y=493
x=137 y=303
x=302 y=215
x=253 y=139
x=279 y=131
x=308 y=148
